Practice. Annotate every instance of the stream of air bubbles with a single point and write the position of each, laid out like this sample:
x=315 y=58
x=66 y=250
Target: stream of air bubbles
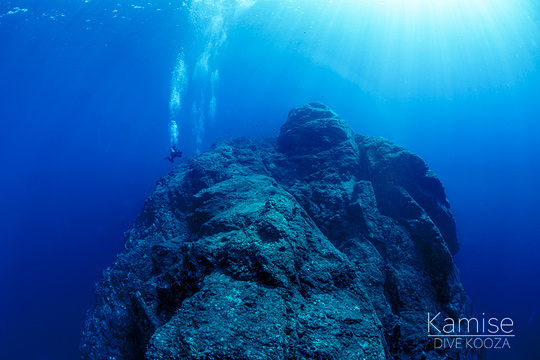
x=210 y=21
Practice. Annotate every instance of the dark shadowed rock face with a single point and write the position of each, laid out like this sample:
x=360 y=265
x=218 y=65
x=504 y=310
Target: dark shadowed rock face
x=321 y=244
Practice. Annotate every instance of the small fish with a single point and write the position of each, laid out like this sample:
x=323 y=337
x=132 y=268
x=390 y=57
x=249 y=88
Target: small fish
x=531 y=318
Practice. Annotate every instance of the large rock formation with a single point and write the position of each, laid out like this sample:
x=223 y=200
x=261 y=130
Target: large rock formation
x=320 y=244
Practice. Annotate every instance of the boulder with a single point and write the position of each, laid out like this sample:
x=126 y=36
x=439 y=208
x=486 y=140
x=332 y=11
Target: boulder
x=317 y=244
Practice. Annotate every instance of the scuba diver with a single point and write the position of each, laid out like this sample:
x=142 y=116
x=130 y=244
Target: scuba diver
x=175 y=153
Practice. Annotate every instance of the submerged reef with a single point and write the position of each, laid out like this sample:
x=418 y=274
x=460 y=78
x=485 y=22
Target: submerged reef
x=317 y=244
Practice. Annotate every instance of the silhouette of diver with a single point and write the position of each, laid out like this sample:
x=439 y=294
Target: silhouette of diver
x=175 y=153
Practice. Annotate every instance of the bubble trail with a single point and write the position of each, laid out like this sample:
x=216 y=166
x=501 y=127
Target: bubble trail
x=179 y=83
x=210 y=19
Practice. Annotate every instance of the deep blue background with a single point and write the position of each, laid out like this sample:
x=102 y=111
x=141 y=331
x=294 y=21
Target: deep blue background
x=84 y=116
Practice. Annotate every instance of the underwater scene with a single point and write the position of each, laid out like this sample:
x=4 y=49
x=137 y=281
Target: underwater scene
x=267 y=179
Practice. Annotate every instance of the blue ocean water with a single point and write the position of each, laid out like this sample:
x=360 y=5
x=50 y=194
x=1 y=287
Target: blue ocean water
x=93 y=94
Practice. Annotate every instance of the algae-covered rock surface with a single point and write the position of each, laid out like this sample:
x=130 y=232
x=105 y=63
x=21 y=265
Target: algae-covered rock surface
x=317 y=244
